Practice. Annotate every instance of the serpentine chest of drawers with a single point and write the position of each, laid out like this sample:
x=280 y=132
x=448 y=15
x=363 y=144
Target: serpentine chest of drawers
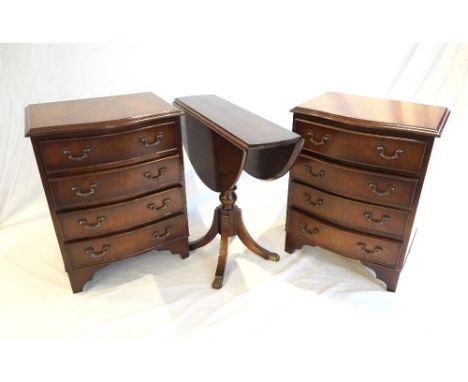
x=112 y=171
x=355 y=188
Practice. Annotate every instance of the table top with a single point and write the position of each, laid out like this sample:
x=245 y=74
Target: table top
x=377 y=113
x=85 y=114
x=241 y=127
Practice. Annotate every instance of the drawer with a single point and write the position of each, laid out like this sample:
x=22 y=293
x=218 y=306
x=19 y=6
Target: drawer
x=120 y=216
x=116 y=184
x=356 y=215
x=369 y=186
x=394 y=153
x=110 y=248
x=347 y=243
x=74 y=153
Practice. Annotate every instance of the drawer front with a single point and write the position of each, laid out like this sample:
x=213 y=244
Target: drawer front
x=116 y=184
x=355 y=245
x=113 y=148
x=354 y=214
x=394 y=153
x=115 y=247
x=363 y=185
x=104 y=220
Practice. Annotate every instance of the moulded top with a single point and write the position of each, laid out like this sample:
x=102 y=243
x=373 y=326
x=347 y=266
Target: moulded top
x=239 y=126
x=413 y=118
x=85 y=114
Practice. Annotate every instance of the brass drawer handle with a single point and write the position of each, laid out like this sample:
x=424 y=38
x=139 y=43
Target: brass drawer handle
x=92 y=189
x=84 y=153
x=374 y=252
x=313 y=203
x=310 y=173
x=166 y=233
x=374 y=189
x=84 y=222
x=308 y=231
x=157 y=141
x=383 y=219
x=324 y=139
x=93 y=254
x=381 y=151
x=164 y=205
x=161 y=172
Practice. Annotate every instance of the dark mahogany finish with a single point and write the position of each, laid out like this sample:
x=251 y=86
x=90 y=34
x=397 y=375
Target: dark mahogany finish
x=377 y=114
x=115 y=184
x=222 y=140
x=97 y=221
x=112 y=172
x=340 y=210
x=114 y=247
x=109 y=149
x=360 y=148
x=355 y=188
x=363 y=185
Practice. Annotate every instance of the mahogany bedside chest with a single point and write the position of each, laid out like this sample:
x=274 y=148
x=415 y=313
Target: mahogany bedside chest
x=355 y=187
x=113 y=175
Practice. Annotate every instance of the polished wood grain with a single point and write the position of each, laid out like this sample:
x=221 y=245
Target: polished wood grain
x=382 y=152
x=241 y=127
x=375 y=113
x=222 y=140
x=367 y=217
x=112 y=172
x=80 y=276
x=365 y=160
x=220 y=134
x=115 y=184
x=109 y=149
x=388 y=190
x=217 y=162
x=348 y=243
x=114 y=247
x=103 y=113
x=97 y=221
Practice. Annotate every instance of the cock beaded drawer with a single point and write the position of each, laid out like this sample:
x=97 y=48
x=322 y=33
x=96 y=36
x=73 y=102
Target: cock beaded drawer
x=355 y=187
x=112 y=172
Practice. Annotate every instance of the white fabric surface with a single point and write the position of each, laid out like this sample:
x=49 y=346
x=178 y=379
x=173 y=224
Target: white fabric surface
x=315 y=312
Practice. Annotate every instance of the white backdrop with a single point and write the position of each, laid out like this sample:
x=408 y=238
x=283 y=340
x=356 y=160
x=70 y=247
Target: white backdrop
x=328 y=306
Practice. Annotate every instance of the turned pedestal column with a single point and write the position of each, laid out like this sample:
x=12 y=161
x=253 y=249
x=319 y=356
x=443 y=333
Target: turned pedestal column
x=222 y=140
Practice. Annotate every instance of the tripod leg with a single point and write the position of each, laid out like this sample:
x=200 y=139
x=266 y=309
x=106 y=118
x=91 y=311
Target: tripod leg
x=210 y=235
x=223 y=252
x=251 y=244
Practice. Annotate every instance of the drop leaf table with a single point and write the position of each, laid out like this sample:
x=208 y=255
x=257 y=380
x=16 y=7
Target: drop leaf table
x=221 y=140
